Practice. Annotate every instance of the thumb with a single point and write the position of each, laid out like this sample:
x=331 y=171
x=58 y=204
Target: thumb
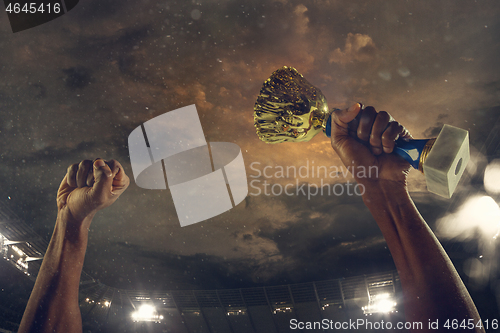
x=343 y=117
x=103 y=178
x=341 y=120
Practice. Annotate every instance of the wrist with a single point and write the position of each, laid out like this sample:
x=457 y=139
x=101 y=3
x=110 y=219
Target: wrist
x=68 y=215
x=384 y=191
x=394 y=211
x=74 y=229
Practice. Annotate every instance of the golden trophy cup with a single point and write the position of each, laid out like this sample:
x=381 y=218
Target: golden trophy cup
x=290 y=109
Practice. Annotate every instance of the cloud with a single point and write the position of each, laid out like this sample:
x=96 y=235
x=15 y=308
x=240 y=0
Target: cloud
x=358 y=47
x=433 y=131
x=196 y=94
x=302 y=21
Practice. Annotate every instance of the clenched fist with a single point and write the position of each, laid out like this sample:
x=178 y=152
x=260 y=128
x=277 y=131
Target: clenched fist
x=365 y=138
x=90 y=186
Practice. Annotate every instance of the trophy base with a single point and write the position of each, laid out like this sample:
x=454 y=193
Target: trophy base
x=446 y=161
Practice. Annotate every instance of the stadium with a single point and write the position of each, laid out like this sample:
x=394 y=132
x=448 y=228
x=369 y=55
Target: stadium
x=265 y=309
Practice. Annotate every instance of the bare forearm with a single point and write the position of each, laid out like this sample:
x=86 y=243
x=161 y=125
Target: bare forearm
x=431 y=285
x=53 y=304
x=87 y=187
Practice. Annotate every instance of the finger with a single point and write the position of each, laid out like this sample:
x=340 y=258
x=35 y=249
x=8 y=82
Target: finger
x=390 y=135
x=103 y=179
x=90 y=178
x=406 y=135
x=83 y=170
x=120 y=179
x=366 y=122
x=381 y=122
x=114 y=166
x=71 y=175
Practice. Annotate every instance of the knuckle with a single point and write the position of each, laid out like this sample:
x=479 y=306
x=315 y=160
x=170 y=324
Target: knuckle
x=362 y=135
x=394 y=128
x=369 y=108
x=85 y=163
x=388 y=141
x=369 y=112
x=110 y=163
x=375 y=140
x=90 y=179
x=384 y=116
x=387 y=137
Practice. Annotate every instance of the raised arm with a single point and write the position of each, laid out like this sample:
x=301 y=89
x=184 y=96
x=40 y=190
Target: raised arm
x=432 y=288
x=87 y=187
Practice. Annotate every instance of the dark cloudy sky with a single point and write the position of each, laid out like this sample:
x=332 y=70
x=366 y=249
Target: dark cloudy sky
x=76 y=87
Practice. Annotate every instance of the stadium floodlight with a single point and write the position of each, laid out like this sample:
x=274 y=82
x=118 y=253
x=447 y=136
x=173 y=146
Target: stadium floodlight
x=3 y=246
x=9 y=242
x=382 y=303
x=146 y=312
x=18 y=250
x=23 y=265
x=33 y=258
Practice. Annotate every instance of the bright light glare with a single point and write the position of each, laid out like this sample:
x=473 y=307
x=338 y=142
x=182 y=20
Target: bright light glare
x=477 y=213
x=21 y=263
x=146 y=312
x=492 y=177
x=17 y=250
x=382 y=303
x=475 y=269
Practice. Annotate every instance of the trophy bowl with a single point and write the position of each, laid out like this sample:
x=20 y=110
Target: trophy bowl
x=289 y=108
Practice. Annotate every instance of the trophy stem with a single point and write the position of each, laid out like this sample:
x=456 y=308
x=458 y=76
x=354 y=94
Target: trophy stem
x=425 y=151
x=414 y=151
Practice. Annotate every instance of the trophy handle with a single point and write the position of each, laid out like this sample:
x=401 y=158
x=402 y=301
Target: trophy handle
x=414 y=151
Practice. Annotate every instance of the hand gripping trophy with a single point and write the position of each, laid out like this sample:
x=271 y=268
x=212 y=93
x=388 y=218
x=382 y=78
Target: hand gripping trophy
x=290 y=109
